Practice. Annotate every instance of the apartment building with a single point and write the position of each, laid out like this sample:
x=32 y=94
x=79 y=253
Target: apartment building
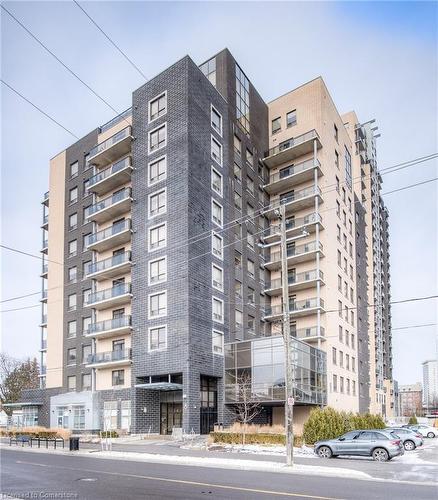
x=430 y=385
x=162 y=263
x=411 y=400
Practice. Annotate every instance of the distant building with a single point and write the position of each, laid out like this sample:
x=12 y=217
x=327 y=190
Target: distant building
x=411 y=400
x=430 y=385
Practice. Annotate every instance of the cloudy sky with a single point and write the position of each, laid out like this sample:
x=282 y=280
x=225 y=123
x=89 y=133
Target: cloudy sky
x=378 y=58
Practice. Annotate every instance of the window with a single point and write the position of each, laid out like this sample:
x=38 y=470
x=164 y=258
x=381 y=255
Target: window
x=85 y=240
x=336 y=132
x=291 y=118
x=350 y=249
x=237 y=173
x=242 y=100
x=71 y=329
x=126 y=415
x=353 y=364
x=157 y=138
x=74 y=169
x=216 y=151
x=250 y=240
x=158 y=106
x=237 y=146
x=158 y=305
x=336 y=159
x=73 y=221
x=86 y=322
x=72 y=302
x=348 y=177
x=238 y=289
x=218 y=310
x=343 y=194
x=86 y=352
x=249 y=157
x=86 y=381
x=250 y=186
x=341 y=384
x=334 y=355
x=347 y=362
x=351 y=295
x=217 y=277
x=86 y=296
x=71 y=356
x=237 y=260
x=157 y=203
x=216 y=181
x=276 y=125
x=352 y=318
x=339 y=283
x=157 y=237
x=251 y=268
x=157 y=171
x=157 y=338
x=118 y=377
x=237 y=200
x=238 y=319
x=72 y=248
x=338 y=232
x=157 y=271
x=339 y=258
x=216 y=213
x=216 y=120
x=347 y=338
x=344 y=218
x=72 y=274
x=341 y=359
x=341 y=337
x=348 y=386
x=335 y=383
x=354 y=387
x=218 y=342
x=71 y=383
x=217 y=245
x=340 y=308
x=209 y=70
x=352 y=340
x=338 y=209
x=251 y=296
x=110 y=411
x=73 y=195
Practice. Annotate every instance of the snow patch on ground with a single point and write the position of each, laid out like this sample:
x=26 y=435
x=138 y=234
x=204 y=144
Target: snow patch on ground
x=258 y=449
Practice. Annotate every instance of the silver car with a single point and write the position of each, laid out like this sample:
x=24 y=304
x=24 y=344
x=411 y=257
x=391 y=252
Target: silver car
x=380 y=444
x=411 y=439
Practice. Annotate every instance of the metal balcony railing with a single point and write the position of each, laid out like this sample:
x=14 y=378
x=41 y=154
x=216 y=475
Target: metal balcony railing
x=45 y=219
x=108 y=202
x=44 y=294
x=298 y=195
x=294 y=306
x=295 y=279
x=293 y=141
x=312 y=331
x=109 y=231
x=110 y=324
x=45 y=268
x=114 y=139
x=109 y=356
x=43 y=343
x=44 y=319
x=292 y=170
x=297 y=250
x=45 y=243
x=109 y=293
x=107 y=172
x=105 y=264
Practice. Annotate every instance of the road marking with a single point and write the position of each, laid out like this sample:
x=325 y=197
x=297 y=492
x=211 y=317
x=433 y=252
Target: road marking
x=182 y=481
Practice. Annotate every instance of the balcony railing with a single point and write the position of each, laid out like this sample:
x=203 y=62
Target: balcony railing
x=109 y=324
x=295 y=306
x=44 y=294
x=44 y=319
x=108 y=202
x=103 y=265
x=297 y=250
x=294 y=169
x=312 y=331
x=114 y=139
x=109 y=356
x=109 y=293
x=107 y=172
x=296 y=279
x=298 y=195
x=45 y=219
x=45 y=243
x=293 y=141
x=46 y=198
x=117 y=228
x=45 y=269
x=43 y=344
x=43 y=369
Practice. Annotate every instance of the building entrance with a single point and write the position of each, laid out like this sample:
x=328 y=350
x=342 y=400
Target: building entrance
x=170 y=417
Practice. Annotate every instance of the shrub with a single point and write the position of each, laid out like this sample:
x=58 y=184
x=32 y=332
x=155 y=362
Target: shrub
x=251 y=438
x=42 y=432
x=329 y=423
x=109 y=434
x=413 y=420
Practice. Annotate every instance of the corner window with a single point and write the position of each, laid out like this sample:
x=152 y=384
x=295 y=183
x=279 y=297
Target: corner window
x=216 y=213
x=158 y=106
x=157 y=171
x=218 y=342
x=157 y=271
x=216 y=120
x=158 y=338
x=276 y=125
x=209 y=70
x=157 y=203
x=158 y=305
x=157 y=237
x=291 y=118
x=218 y=310
x=216 y=151
x=216 y=181
x=158 y=138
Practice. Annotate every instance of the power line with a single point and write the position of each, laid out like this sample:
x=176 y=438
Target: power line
x=111 y=41
x=411 y=186
x=61 y=62
x=30 y=254
x=413 y=326
x=38 y=108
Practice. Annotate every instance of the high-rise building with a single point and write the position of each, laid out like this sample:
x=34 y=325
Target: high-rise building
x=162 y=263
x=430 y=385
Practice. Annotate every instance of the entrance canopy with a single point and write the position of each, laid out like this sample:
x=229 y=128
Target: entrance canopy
x=21 y=405
x=160 y=386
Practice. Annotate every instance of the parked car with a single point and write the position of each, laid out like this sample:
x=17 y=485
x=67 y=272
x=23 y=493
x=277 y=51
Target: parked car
x=380 y=444
x=411 y=439
x=424 y=430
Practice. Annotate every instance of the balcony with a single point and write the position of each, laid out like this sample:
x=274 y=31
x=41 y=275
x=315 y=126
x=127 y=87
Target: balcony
x=295 y=255
x=292 y=175
x=310 y=334
x=110 y=207
x=108 y=268
x=119 y=357
x=45 y=223
x=297 y=309
x=112 y=149
x=110 y=327
x=110 y=178
x=291 y=149
x=299 y=281
x=46 y=198
x=43 y=345
x=296 y=200
x=45 y=247
x=295 y=227
x=43 y=320
x=110 y=297
x=43 y=296
x=112 y=236
x=44 y=271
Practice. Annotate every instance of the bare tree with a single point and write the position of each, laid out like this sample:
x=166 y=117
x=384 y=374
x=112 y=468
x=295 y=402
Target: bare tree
x=15 y=376
x=246 y=407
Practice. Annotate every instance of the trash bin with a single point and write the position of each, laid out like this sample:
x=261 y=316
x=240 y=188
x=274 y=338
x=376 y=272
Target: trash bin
x=74 y=444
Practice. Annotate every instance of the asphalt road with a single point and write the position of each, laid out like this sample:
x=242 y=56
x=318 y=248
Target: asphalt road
x=44 y=475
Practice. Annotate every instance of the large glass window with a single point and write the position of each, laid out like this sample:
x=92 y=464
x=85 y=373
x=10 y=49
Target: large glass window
x=110 y=411
x=157 y=237
x=242 y=100
x=348 y=176
x=118 y=377
x=86 y=352
x=158 y=305
x=157 y=107
x=158 y=138
x=291 y=118
x=157 y=338
x=157 y=170
x=79 y=417
x=209 y=70
x=157 y=203
x=157 y=271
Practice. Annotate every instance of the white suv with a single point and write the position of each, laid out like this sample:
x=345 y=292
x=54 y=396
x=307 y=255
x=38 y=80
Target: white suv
x=427 y=430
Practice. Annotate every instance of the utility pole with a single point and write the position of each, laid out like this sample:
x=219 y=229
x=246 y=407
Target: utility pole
x=289 y=369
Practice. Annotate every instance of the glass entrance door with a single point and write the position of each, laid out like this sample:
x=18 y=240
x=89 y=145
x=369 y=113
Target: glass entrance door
x=170 y=417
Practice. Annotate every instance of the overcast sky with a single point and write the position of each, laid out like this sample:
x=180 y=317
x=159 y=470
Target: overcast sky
x=377 y=58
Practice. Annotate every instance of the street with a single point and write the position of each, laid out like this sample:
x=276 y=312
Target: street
x=44 y=474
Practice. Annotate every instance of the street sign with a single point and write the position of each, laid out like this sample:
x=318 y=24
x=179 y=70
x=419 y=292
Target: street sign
x=290 y=401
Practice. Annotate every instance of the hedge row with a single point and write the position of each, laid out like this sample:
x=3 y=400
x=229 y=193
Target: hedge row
x=252 y=438
x=329 y=423
x=36 y=433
